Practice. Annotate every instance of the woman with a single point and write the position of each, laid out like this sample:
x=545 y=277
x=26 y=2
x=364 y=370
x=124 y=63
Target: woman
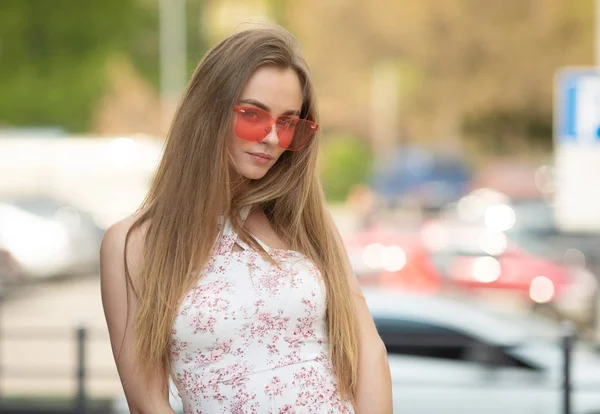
x=232 y=279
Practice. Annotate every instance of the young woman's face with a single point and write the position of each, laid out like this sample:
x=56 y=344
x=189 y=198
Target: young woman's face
x=278 y=92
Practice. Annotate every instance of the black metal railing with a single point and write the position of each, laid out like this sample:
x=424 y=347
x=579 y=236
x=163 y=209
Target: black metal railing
x=80 y=401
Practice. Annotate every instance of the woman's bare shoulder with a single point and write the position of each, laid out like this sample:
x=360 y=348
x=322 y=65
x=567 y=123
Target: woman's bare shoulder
x=112 y=248
x=115 y=235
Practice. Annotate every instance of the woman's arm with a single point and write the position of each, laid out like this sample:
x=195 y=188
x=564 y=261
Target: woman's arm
x=144 y=395
x=374 y=393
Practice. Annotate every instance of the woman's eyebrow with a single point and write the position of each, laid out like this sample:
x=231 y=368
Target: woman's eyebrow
x=266 y=108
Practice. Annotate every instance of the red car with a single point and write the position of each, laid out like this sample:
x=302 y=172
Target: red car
x=474 y=257
x=393 y=259
x=514 y=269
x=399 y=260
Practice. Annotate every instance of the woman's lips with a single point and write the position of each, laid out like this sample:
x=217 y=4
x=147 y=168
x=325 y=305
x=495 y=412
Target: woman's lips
x=260 y=158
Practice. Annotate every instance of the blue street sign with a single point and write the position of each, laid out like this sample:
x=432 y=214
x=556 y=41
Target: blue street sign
x=577 y=106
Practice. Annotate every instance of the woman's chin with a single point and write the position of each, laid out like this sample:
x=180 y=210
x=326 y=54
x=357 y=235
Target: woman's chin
x=253 y=172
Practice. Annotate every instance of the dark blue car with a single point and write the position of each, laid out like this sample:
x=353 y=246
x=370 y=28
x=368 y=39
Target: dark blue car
x=411 y=176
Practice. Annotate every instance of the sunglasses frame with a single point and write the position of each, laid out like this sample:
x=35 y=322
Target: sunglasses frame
x=238 y=109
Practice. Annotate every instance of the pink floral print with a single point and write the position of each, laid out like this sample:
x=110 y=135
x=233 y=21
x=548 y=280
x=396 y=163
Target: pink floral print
x=251 y=337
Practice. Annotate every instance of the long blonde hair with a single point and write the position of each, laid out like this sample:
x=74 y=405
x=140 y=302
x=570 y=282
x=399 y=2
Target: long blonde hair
x=192 y=188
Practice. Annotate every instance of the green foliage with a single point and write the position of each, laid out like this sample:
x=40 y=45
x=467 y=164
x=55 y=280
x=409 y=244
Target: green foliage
x=346 y=161
x=196 y=40
x=495 y=131
x=54 y=57
x=144 y=45
x=277 y=9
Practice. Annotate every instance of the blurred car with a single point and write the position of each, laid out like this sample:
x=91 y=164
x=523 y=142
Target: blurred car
x=516 y=265
x=536 y=217
x=524 y=246
x=396 y=260
x=451 y=357
x=411 y=176
x=42 y=237
x=522 y=218
x=447 y=356
x=470 y=259
x=499 y=264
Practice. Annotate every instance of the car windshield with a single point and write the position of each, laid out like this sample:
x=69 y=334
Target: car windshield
x=534 y=216
x=530 y=243
x=532 y=326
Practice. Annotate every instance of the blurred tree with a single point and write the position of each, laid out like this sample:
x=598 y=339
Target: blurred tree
x=54 y=56
x=197 y=43
x=277 y=9
x=470 y=62
x=497 y=129
x=346 y=161
x=466 y=67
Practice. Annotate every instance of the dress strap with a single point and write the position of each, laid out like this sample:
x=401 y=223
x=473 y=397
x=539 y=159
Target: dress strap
x=229 y=237
x=244 y=212
x=243 y=215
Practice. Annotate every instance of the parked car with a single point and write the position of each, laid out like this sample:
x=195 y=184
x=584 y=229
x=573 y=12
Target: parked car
x=414 y=177
x=452 y=357
x=42 y=237
x=524 y=218
x=472 y=260
x=512 y=268
x=537 y=217
x=390 y=258
x=488 y=240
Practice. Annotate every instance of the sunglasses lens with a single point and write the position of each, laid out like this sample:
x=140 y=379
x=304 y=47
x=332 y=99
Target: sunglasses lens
x=254 y=124
x=296 y=133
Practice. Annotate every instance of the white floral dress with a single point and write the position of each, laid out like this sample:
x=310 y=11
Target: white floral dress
x=251 y=338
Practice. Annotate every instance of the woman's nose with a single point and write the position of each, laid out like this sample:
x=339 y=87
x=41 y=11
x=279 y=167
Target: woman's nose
x=271 y=137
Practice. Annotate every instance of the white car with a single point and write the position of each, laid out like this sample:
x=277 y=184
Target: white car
x=451 y=357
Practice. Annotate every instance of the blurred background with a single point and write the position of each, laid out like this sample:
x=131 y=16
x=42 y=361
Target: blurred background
x=461 y=161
